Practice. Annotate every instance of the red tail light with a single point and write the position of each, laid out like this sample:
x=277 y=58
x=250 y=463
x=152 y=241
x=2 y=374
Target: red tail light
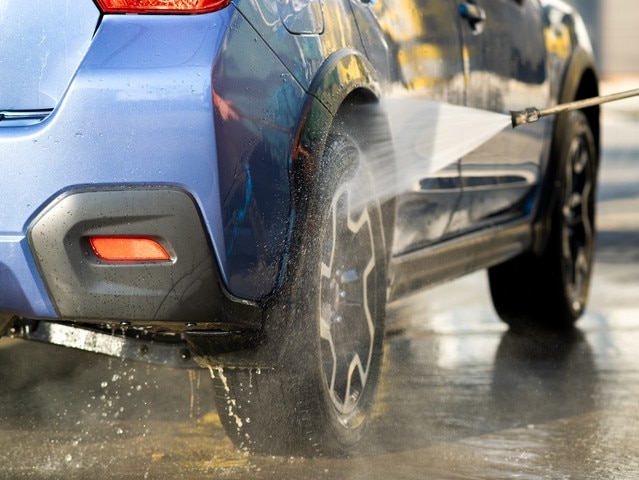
x=161 y=6
x=128 y=249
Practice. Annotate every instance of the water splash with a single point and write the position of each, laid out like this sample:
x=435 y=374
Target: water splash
x=426 y=137
x=438 y=133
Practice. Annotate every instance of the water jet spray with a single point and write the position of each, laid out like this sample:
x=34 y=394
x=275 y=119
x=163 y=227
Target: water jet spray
x=532 y=114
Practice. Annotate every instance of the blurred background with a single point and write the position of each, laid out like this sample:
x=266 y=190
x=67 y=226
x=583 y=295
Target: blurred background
x=612 y=25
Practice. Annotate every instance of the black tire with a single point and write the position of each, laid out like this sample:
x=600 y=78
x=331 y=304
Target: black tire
x=550 y=290
x=317 y=400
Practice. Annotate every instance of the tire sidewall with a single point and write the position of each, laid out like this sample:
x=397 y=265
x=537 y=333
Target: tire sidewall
x=577 y=126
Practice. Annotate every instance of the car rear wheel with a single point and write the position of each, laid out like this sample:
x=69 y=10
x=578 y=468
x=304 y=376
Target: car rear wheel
x=317 y=399
x=550 y=290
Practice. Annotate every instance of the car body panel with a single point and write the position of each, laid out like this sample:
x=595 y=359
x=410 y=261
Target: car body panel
x=42 y=46
x=506 y=70
x=257 y=108
x=303 y=54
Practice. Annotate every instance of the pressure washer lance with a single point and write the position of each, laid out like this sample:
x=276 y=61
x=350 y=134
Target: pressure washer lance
x=532 y=114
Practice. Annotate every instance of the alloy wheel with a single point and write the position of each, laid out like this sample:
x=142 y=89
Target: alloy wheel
x=347 y=296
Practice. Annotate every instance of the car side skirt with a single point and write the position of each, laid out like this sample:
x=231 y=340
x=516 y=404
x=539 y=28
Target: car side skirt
x=457 y=257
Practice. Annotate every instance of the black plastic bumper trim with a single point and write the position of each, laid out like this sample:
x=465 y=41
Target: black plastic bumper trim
x=188 y=290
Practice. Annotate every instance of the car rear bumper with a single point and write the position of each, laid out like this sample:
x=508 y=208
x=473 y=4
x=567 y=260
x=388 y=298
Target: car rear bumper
x=138 y=128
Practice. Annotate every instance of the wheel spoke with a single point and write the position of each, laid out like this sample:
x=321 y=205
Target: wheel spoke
x=346 y=324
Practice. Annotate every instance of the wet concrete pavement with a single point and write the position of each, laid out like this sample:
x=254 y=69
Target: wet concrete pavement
x=461 y=397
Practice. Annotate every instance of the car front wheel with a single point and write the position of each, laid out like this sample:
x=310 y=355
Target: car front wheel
x=550 y=290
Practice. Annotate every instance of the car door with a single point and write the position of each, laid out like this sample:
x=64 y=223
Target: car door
x=416 y=45
x=505 y=65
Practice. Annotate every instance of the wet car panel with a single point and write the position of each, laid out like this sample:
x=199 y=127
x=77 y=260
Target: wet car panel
x=506 y=61
x=42 y=47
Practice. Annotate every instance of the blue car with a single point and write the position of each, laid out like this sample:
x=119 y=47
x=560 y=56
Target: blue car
x=246 y=184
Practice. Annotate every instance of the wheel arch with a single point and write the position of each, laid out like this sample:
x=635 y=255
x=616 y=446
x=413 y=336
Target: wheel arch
x=346 y=79
x=579 y=81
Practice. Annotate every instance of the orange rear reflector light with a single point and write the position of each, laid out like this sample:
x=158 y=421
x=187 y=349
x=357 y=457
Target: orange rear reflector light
x=128 y=249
